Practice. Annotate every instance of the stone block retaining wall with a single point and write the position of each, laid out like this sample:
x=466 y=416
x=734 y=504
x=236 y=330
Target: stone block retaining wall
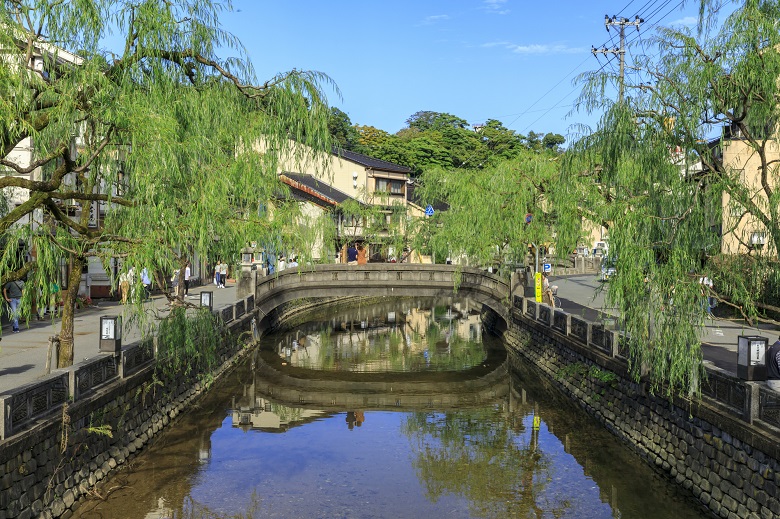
x=48 y=467
x=729 y=465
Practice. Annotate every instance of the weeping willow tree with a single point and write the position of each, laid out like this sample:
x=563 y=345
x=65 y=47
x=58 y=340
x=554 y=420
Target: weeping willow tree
x=144 y=152
x=494 y=213
x=683 y=172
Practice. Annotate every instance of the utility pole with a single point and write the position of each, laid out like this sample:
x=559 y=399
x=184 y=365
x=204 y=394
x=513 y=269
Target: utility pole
x=620 y=52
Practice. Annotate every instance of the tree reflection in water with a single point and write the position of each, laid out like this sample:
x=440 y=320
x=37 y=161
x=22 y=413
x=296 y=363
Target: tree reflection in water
x=492 y=461
x=456 y=444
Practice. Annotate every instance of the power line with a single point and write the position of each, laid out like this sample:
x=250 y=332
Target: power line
x=650 y=6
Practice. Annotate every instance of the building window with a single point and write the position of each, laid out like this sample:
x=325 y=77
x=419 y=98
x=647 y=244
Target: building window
x=392 y=187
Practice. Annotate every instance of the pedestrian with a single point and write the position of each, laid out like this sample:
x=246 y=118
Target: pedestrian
x=352 y=255
x=293 y=262
x=707 y=301
x=131 y=282
x=547 y=295
x=282 y=264
x=54 y=299
x=223 y=272
x=175 y=282
x=124 y=286
x=361 y=255
x=12 y=293
x=146 y=282
x=773 y=366
x=187 y=280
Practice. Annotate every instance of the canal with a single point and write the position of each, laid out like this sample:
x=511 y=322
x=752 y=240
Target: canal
x=509 y=447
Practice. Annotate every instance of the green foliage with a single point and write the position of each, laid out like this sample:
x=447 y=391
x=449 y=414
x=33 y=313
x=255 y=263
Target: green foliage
x=495 y=201
x=188 y=343
x=440 y=140
x=160 y=135
x=594 y=374
x=672 y=197
x=426 y=120
x=342 y=132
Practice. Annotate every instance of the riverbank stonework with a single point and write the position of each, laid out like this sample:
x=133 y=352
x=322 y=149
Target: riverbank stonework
x=732 y=468
x=46 y=469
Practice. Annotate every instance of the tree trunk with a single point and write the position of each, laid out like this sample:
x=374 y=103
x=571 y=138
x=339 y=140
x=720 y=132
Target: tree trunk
x=65 y=357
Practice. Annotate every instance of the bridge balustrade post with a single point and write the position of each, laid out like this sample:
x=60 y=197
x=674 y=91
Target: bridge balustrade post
x=247 y=279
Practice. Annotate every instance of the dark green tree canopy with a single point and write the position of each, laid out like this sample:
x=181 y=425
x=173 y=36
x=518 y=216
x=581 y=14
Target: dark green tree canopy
x=425 y=120
x=342 y=132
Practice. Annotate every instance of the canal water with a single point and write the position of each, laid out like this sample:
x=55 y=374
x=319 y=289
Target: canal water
x=513 y=447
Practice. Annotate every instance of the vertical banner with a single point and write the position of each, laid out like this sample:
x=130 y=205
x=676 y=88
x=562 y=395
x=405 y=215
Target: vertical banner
x=538 y=283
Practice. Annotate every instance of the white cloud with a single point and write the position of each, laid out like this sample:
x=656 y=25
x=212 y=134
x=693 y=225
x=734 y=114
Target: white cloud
x=495 y=6
x=535 y=48
x=435 y=18
x=496 y=44
x=688 y=21
x=543 y=48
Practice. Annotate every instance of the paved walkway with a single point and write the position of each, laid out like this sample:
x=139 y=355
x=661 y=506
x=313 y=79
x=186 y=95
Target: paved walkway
x=23 y=355
x=580 y=295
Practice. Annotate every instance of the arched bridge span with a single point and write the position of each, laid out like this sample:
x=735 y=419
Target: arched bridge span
x=383 y=279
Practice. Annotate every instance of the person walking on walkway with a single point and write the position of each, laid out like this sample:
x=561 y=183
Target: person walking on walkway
x=124 y=286
x=547 y=291
x=773 y=366
x=187 y=280
x=12 y=293
x=223 y=270
x=146 y=282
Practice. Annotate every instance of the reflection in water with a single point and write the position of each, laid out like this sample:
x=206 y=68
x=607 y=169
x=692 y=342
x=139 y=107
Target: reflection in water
x=399 y=335
x=525 y=452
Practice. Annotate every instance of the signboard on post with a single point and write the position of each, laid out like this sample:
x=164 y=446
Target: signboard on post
x=538 y=284
x=546 y=267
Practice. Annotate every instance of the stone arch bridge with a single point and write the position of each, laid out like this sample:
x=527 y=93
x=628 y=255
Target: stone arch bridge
x=377 y=280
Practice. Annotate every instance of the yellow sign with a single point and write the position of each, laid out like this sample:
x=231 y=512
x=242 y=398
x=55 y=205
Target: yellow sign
x=538 y=283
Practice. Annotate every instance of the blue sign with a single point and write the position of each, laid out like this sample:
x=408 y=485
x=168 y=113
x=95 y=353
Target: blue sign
x=429 y=210
x=546 y=267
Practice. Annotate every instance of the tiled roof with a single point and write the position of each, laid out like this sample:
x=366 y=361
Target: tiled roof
x=306 y=187
x=370 y=162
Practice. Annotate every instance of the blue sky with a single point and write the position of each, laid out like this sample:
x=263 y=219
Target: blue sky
x=510 y=60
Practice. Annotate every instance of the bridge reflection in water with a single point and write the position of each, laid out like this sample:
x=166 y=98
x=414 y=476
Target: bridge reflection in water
x=276 y=439
x=398 y=335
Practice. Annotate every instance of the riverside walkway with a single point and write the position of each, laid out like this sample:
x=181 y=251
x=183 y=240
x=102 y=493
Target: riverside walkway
x=23 y=355
x=580 y=295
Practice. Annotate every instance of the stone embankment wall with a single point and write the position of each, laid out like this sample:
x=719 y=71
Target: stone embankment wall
x=729 y=465
x=47 y=468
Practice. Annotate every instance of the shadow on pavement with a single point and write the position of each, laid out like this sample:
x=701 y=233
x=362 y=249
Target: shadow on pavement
x=16 y=370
